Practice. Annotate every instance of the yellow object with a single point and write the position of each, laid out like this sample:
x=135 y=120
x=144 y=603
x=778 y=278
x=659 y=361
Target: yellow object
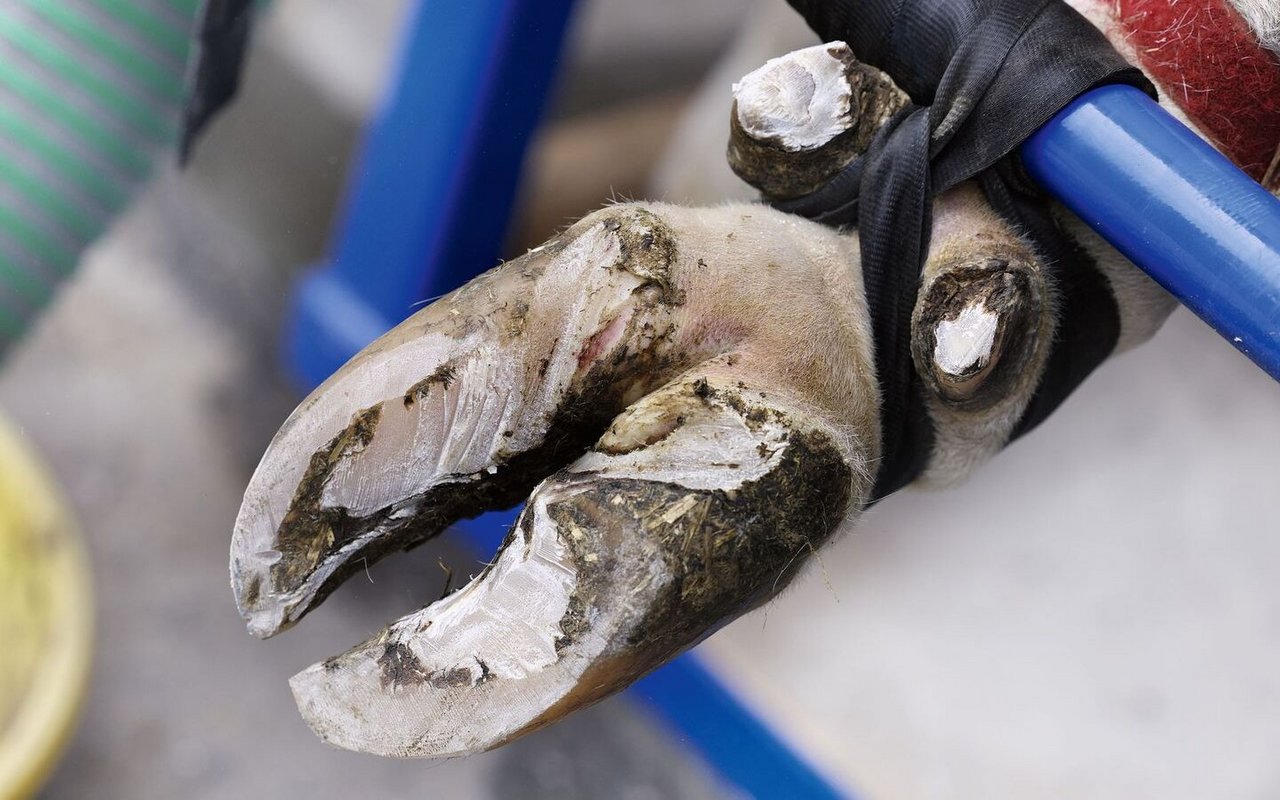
x=46 y=625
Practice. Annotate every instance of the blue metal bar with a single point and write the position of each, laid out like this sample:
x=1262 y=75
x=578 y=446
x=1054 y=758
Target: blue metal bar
x=1174 y=206
x=430 y=201
x=715 y=722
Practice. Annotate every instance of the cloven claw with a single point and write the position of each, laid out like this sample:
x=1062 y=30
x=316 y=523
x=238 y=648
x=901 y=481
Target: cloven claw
x=688 y=398
x=619 y=562
x=696 y=470
x=690 y=392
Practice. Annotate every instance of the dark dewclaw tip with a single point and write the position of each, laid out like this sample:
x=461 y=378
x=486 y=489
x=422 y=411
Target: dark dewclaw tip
x=803 y=117
x=976 y=327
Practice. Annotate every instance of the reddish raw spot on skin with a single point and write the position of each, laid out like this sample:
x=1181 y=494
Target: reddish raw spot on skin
x=1208 y=61
x=602 y=341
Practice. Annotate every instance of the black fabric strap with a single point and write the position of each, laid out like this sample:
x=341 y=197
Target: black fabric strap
x=213 y=74
x=982 y=75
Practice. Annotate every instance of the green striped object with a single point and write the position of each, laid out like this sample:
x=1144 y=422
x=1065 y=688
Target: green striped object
x=90 y=94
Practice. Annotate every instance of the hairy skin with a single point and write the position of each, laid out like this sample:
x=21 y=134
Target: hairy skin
x=687 y=396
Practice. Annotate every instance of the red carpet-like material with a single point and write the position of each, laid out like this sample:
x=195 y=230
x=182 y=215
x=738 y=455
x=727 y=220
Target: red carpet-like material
x=1205 y=58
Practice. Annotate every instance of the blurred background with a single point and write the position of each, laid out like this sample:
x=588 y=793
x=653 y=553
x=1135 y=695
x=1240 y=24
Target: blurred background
x=1096 y=614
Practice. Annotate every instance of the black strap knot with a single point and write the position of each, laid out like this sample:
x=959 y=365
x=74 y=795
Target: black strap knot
x=983 y=76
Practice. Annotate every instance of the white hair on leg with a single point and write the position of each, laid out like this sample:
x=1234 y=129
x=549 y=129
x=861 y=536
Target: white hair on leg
x=1264 y=17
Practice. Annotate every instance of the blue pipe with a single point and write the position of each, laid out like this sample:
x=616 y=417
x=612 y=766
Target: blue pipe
x=429 y=203
x=1174 y=206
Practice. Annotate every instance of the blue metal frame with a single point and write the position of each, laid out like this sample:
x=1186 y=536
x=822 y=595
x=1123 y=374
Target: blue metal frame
x=428 y=207
x=1174 y=206
x=727 y=735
